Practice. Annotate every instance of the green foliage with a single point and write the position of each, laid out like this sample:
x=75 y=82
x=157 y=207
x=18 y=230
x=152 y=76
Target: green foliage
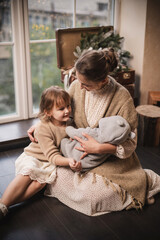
x=100 y=40
x=104 y=39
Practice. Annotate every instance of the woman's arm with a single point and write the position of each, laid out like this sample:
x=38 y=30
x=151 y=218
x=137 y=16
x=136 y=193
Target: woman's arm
x=128 y=112
x=92 y=146
x=126 y=149
x=30 y=133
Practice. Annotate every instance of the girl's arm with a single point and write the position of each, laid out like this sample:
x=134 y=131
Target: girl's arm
x=62 y=161
x=47 y=144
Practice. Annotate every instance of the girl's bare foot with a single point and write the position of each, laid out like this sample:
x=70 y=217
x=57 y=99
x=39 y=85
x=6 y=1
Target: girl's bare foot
x=150 y=200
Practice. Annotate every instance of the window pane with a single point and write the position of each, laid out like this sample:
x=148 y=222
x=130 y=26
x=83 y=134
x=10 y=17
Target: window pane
x=5 y=21
x=46 y=16
x=92 y=13
x=7 y=91
x=44 y=69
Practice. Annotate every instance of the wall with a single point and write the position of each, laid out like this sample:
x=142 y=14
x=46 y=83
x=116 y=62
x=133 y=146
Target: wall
x=151 y=68
x=132 y=27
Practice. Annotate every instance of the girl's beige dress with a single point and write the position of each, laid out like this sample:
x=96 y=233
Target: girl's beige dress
x=38 y=159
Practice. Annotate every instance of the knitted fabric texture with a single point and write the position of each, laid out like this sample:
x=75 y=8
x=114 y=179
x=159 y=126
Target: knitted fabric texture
x=49 y=137
x=95 y=104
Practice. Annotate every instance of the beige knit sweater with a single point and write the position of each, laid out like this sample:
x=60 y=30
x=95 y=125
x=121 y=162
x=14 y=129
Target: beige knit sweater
x=127 y=172
x=49 y=137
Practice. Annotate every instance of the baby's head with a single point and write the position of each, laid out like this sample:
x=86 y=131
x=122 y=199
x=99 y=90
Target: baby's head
x=53 y=97
x=114 y=129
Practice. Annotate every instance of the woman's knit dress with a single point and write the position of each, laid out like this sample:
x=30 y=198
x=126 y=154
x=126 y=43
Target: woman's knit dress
x=118 y=183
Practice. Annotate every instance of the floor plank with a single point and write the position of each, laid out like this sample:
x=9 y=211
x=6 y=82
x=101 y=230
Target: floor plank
x=46 y=218
x=81 y=226
x=149 y=158
x=6 y=164
x=135 y=225
x=33 y=221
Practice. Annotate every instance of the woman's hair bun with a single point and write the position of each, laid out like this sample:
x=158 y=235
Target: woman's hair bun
x=110 y=57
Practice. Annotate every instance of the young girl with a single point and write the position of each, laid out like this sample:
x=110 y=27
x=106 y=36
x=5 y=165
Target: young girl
x=36 y=166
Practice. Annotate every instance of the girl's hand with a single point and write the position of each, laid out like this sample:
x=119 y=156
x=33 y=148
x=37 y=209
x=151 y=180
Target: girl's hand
x=30 y=134
x=75 y=166
x=87 y=146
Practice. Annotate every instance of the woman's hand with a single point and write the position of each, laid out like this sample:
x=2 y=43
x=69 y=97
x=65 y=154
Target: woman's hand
x=92 y=146
x=75 y=166
x=87 y=146
x=30 y=134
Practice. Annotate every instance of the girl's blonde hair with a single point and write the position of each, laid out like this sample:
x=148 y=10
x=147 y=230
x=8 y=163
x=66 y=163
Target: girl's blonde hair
x=52 y=96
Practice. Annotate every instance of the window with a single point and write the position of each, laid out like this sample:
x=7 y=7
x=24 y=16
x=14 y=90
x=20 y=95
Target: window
x=7 y=81
x=28 y=61
x=30 y=19
x=44 y=20
x=102 y=6
x=37 y=20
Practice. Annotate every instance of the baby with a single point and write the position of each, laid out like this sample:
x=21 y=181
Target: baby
x=114 y=130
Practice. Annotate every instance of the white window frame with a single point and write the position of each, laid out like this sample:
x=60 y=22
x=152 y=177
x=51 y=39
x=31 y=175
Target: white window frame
x=116 y=15
x=28 y=62
x=18 y=64
x=21 y=59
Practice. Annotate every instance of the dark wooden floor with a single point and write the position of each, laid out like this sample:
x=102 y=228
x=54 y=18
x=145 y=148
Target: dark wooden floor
x=43 y=218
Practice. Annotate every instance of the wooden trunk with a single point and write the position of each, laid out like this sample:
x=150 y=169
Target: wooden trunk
x=148 y=125
x=154 y=98
x=66 y=42
x=130 y=88
x=125 y=77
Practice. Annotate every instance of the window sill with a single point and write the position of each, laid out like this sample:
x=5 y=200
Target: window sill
x=13 y=135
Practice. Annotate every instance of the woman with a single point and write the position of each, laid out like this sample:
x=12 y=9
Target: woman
x=120 y=182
